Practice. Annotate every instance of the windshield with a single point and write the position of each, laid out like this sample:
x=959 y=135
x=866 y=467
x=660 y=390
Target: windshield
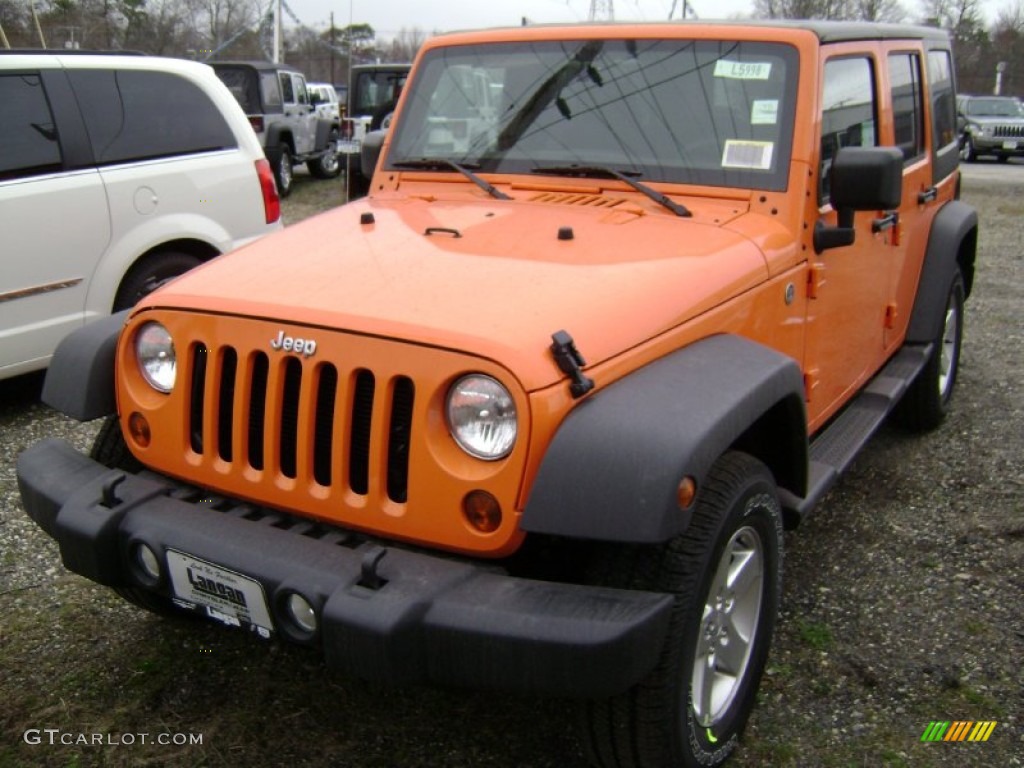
x=701 y=112
x=994 y=108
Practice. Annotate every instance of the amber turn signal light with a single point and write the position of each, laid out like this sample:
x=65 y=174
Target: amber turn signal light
x=686 y=492
x=482 y=511
x=138 y=428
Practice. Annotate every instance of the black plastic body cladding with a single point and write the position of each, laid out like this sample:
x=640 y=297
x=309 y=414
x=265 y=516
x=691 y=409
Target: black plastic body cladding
x=953 y=224
x=613 y=469
x=80 y=381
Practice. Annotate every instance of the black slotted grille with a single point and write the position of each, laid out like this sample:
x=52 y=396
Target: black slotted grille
x=302 y=419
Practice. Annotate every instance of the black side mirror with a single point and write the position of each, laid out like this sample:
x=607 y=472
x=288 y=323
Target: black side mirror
x=369 y=152
x=861 y=179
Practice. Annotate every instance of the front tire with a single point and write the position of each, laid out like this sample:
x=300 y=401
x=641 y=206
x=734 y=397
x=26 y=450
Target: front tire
x=967 y=151
x=725 y=572
x=927 y=400
x=284 y=173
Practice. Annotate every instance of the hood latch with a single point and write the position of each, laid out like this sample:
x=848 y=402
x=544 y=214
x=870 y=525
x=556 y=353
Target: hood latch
x=570 y=362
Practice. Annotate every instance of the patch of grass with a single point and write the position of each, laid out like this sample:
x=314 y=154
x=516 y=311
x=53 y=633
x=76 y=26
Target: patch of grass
x=816 y=634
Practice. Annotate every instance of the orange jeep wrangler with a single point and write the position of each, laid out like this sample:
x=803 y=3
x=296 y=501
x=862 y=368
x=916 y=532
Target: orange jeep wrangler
x=623 y=303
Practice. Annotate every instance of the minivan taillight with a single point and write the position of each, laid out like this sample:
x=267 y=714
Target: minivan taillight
x=271 y=202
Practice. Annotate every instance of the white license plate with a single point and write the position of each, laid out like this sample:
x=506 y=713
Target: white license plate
x=1009 y=145
x=348 y=147
x=225 y=595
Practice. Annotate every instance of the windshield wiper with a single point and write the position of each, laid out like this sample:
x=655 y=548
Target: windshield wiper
x=600 y=171
x=439 y=163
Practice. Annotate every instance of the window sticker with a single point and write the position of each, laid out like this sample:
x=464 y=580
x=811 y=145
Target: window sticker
x=764 y=112
x=743 y=70
x=755 y=155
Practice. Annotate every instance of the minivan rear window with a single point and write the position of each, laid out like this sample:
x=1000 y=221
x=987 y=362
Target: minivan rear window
x=135 y=115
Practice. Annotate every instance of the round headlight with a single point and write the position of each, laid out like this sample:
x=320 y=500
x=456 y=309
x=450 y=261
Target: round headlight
x=155 y=352
x=482 y=417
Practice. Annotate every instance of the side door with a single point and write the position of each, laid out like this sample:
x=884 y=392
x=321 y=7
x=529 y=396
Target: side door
x=848 y=285
x=54 y=226
x=303 y=115
x=923 y=192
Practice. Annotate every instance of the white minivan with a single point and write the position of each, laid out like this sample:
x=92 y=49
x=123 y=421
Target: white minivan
x=117 y=173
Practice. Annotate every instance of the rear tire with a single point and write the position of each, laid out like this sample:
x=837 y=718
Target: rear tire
x=149 y=273
x=327 y=166
x=725 y=572
x=927 y=400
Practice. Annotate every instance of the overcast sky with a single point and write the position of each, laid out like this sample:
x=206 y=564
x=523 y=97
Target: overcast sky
x=388 y=17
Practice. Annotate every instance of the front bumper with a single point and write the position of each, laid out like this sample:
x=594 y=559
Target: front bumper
x=997 y=145
x=404 y=616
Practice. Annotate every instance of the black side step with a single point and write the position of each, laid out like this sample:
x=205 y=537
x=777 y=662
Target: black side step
x=835 y=447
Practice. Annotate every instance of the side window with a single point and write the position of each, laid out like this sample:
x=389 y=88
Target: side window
x=135 y=115
x=286 y=88
x=940 y=77
x=302 y=96
x=271 y=90
x=30 y=144
x=848 y=112
x=905 y=81
x=942 y=97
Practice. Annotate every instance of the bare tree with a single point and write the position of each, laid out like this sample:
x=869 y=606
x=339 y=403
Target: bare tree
x=880 y=10
x=406 y=44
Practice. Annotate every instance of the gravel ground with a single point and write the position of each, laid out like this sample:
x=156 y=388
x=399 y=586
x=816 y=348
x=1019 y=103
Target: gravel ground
x=902 y=606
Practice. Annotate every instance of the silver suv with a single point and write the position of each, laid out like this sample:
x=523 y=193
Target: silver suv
x=990 y=125
x=282 y=112
x=117 y=173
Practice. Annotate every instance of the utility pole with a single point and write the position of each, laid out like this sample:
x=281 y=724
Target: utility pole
x=276 y=57
x=331 y=81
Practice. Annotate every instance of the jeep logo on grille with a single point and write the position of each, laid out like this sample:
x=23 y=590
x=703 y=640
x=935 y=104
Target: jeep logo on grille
x=305 y=347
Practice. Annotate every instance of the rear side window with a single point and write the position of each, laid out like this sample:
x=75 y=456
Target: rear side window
x=942 y=96
x=29 y=145
x=132 y=115
x=905 y=81
x=848 y=112
x=286 y=88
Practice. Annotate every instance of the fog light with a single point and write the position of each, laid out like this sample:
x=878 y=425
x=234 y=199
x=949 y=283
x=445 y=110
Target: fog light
x=138 y=427
x=301 y=612
x=147 y=561
x=482 y=511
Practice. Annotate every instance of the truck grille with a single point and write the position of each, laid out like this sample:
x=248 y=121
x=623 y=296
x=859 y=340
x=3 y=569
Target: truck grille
x=1008 y=131
x=253 y=412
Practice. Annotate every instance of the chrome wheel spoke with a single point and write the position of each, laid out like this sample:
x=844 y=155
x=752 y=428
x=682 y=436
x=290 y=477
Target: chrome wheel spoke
x=728 y=626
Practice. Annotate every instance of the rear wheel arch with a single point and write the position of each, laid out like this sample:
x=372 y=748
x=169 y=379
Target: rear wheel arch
x=157 y=265
x=952 y=244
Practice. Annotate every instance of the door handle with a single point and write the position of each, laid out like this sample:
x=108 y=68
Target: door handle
x=927 y=195
x=888 y=221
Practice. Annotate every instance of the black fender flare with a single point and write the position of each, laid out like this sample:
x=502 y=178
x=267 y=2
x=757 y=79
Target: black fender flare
x=80 y=379
x=276 y=138
x=613 y=469
x=952 y=243
x=323 y=132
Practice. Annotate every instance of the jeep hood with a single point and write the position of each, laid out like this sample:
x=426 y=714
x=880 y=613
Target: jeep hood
x=491 y=278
